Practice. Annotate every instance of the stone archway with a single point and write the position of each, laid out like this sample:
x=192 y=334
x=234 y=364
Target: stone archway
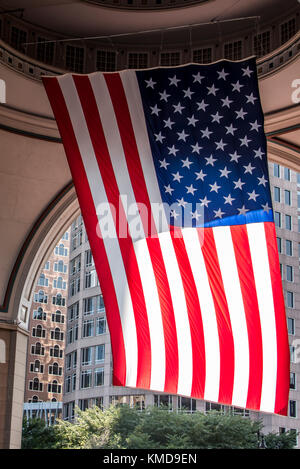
x=14 y=326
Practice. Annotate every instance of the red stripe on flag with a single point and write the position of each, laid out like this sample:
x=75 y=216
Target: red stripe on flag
x=91 y=223
x=222 y=314
x=283 y=354
x=194 y=314
x=136 y=174
x=248 y=289
x=94 y=125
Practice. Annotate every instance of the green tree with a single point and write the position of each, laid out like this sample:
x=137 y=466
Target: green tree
x=36 y=435
x=121 y=427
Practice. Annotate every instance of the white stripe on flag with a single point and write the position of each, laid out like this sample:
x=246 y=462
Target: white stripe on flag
x=210 y=327
x=118 y=160
x=227 y=262
x=132 y=92
x=111 y=243
x=185 y=355
x=260 y=262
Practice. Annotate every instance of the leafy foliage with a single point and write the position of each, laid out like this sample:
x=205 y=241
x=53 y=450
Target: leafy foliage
x=121 y=427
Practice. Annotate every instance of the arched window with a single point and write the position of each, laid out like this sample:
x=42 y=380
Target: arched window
x=39 y=331
x=53 y=399
x=36 y=384
x=35 y=399
x=60 y=266
x=38 y=348
x=43 y=281
x=55 y=369
x=37 y=364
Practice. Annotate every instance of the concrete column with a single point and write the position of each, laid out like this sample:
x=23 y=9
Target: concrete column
x=13 y=349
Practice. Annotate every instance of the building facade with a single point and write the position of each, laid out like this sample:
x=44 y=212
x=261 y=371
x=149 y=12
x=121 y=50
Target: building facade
x=88 y=360
x=47 y=328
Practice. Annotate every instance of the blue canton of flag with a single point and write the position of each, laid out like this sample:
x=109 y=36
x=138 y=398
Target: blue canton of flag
x=206 y=130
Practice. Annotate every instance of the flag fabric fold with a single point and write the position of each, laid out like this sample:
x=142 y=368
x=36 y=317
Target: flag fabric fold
x=170 y=169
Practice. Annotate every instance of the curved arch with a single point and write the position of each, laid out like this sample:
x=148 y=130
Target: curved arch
x=43 y=238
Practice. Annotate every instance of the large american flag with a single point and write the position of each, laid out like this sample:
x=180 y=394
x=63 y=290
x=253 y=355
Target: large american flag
x=170 y=168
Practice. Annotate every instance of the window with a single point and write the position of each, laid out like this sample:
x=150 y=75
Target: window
x=100 y=326
x=43 y=281
x=58 y=300
x=61 y=250
x=67 y=384
x=287 y=174
x=73 y=381
x=91 y=279
x=89 y=261
x=99 y=377
x=60 y=267
x=276 y=170
x=40 y=297
x=298 y=224
x=291 y=326
x=73 y=312
x=86 y=379
x=36 y=367
x=75 y=59
x=35 y=385
x=88 y=306
x=55 y=369
x=47 y=265
x=289 y=273
x=287 y=30
x=59 y=283
x=290 y=299
x=68 y=361
x=88 y=328
x=37 y=349
x=76 y=240
x=288 y=222
x=56 y=334
x=169 y=59
x=56 y=352
x=279 y=244
x=163 y=400
x=75 y=265
x=287 y=197
x=137 y=60
x=58 y=317
x=74 y=286
x=292 y=380
x=262 y=43
x=86 y=356
x=99 y=304
x=65 y=236
x=202 y=56
x=233 y=50
x=277 y=194
x=292 y=409
x=39 y=314
x=38 y=331
x=45 y=50
x=186 y=404
x=288 y=247
x=106 y=61
x=54 y=387
x=100 y=353
x=292 y=354
x=277 y=219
